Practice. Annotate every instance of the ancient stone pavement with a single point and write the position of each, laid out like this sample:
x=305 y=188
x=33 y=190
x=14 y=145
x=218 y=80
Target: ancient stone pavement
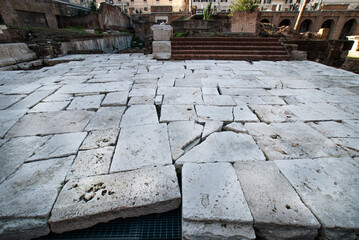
x=269 y=149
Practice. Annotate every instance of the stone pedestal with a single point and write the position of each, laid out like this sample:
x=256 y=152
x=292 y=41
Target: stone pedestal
x=161 y=46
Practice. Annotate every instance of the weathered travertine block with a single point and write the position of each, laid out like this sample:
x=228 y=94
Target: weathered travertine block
x=181 y=134
x=243 y=114
x=235 y=127
x=327 y=186
x=215 y=113
x=211 y=127
x=171 y=113
x=88 y=201
x=213 y=205
x=142 y=146
x=162 y=32
x=100 y=138
x=106 y=118
x=22 y=215
x=91 y=102
x=137 y=115
x=224 y=147
x=51 y=122
x=278 y=213
x=115 y=99
x=161 y=49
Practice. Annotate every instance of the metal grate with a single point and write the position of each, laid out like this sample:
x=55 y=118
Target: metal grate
x=155 y=226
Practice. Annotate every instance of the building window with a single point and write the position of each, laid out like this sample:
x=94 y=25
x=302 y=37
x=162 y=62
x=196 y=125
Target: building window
x=145 y=9
x=267 y=1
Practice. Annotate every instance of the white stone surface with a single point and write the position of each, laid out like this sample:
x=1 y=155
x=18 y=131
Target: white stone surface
x=88 y=201
x=142 y=146
x=182 y=134
x=106 y=118
x=59 y=145
x=8 y=118
x=244 y=114
x=161 y=50
x=236 y=127
x=91 y=103
x=213 y=198
x=224 y=147
x=277 y=210
x=211 y=127
x=171 y=113
x=215 y=113
x=100 y=138
x=42 y=179
x=91 y=162
x=137 y=115
x=115 y=99
x=330 y=190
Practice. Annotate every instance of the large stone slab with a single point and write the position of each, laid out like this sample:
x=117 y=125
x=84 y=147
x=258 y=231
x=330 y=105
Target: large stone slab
x=224 y=147
x=50 y=123
x=8 y=118
x=277 y=210
x=243 y=114
x=333 y=129
x=59 y=145
x=162 y=32
x=211 y=127
x=329 y=188
x=106 y=118
x=91 y=102
x=215 y=113
x=170 y=113
x=85 y=202
x=8 y=100
x=273 y=113
x=31 y=100
x=213 y=205
x=100 y=138
x=49 y=106
x=115 y=99
x=137 y=115
x=15 y=152
x=142 y=146
x=95 y=88
x=292 y=140
x=182 y=134
x=30 y=195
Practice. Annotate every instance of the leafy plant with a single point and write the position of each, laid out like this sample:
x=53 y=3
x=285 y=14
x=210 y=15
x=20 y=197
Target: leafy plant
x=207 y=11
x=242 y=5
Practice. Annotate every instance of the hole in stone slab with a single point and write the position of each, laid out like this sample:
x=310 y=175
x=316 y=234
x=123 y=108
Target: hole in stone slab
x=158 y=110
x=287 y=206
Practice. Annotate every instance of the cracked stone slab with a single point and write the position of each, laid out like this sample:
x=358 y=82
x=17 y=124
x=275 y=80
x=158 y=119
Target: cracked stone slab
x=95 y=88
x=31 y=99
x=277 y=210
x=270 y=113
x=244 y=114
x=85 y=202
x=215 y=113
x=137 y=115
x=182 y=134
x=351 y=145
x=21 y=214
x=142 y=146
x=224 y=147
x=170 y=113
x=59 y=145
x=106 y=118
x=334 y=129
x=100 y=138
x=214 y=206
x=51 y=123
x=115 y=99
x=292 y=140
x=8 y=118
x=235 y=127
x=15 y=152
x=8 y=100
x=92 y=103
x=211 y=127
x=330 y=190
x=91 y=162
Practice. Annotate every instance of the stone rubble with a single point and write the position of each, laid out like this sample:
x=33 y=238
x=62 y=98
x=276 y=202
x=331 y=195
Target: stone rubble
x=268 y=149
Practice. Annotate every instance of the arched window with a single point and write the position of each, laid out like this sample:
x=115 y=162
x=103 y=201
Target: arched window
x=348 y=28
x=328 y=28
x=264 y=20
x=284 y=22
x=305 y=25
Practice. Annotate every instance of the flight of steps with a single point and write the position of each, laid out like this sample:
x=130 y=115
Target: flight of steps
x=228 y=48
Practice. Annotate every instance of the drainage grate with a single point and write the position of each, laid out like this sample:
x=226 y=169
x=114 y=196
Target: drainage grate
x=155 y=226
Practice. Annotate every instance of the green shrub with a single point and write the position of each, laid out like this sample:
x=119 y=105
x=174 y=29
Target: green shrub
x=242 y=5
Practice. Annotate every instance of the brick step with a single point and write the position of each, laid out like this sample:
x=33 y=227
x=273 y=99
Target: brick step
x=231 y=52
x=210 y=47
x=232 y=43
x=224 y=39
x=230 y=57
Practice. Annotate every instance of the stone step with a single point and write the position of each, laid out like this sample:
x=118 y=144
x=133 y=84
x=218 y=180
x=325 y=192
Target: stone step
x=225 y=47
x=223 y=43
x=230 y=57
x=224 y=39
x=230 y=52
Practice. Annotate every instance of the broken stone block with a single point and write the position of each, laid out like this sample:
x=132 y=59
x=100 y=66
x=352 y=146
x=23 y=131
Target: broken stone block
x=327 y=186
x=171 y=113
x=21 y=213
x=224 y=147
x=211 y=127
x=236 y=127
x=162 y=32
x=182 y=134
x=137 y=115
x=161 y=50
x=51 y=123
x=59 y=145
x=15 y=152
x=100 y=138
x=215 y=113
x=142 y=146
x=85 y=202
x=115 y=99
x=213 y=205
x=244 y=114
x=279 y=212
x=106 y=118
x=91 y=103
x=91 y=162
